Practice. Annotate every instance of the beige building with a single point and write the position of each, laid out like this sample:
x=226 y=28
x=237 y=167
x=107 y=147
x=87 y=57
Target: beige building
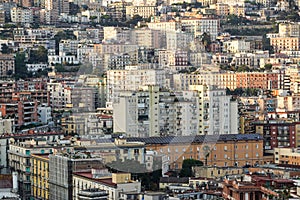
x=237 y=10
x=143 y=11
x=2 y=16
x=216 y=172
x=21 y=15
x=289 y=30
x=148 y=38
x=222 y=9
x=116 y=185
x=285 y=43
x=290 y=156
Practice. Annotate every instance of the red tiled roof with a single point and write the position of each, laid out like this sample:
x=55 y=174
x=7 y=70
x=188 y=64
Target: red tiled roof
x=89 y=175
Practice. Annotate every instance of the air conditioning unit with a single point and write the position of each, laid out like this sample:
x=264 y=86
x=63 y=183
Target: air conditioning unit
x=228 y=158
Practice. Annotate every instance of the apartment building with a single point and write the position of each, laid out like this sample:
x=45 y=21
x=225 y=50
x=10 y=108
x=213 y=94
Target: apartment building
x=238 y=10
x=165 y=26
x=289 y=103
x=148 y=38
x=217 y=113
x=60 y=94
x=7 y=65
x=87 y=124
x=143 y=11
x=6 y=139
x=24 y=112
x=115 y=186
x=278 y=133
x=285 y=43
x=132 y=78
x=199 y=26
x=289 y=30
x=6 y=125
x=61 y=169
x=21 y=15
x=225 y=150
x=222 y=9
x=151 y=112
x=53 y=8
x=179 y=40
x=236 y=46
x=68 y=47
x=119 y=34
x=7 y=88
x=287 y=156
x=19 y=161
x=40 y=176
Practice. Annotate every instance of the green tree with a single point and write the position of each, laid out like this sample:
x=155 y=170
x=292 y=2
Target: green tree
x=268 y=66
x=134 y=20
x=186 y=170
x=206 y=41
x=20 y=67
x=63 y=35
x=266 y=44
x=39 y=56
x=5 y=49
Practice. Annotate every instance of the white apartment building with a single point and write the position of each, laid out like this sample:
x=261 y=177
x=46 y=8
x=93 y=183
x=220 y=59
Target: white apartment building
x=60 y=95
x=84 y=51
x=203 y=25
x=116 y=61
x=113 y=48
x=44 y=113
x=6 y=125
x=68 y=47
x=143 y=11
x=289 y=30
x=148 y=38
x=217 y=113
x=179 y=40
x=150 y=112
x=165 y=26
x=117 y=186
x=118 y=34
x=236 y=46
x=36 y=67
x=63 y=58
x=131 y=79
x=21 y=15
x=183 y=81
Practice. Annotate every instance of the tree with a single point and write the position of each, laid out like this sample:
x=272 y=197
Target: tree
x=5 y=49
x=206 y=41
x=266 y=45
x=63 y=35
x=20 y=67
x=186 y=170
x=134 y=20
x=268 y=66
x=39 y=56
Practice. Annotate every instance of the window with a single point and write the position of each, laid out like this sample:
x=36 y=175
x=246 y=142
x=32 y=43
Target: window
x=27 y=152
x=225 y=148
